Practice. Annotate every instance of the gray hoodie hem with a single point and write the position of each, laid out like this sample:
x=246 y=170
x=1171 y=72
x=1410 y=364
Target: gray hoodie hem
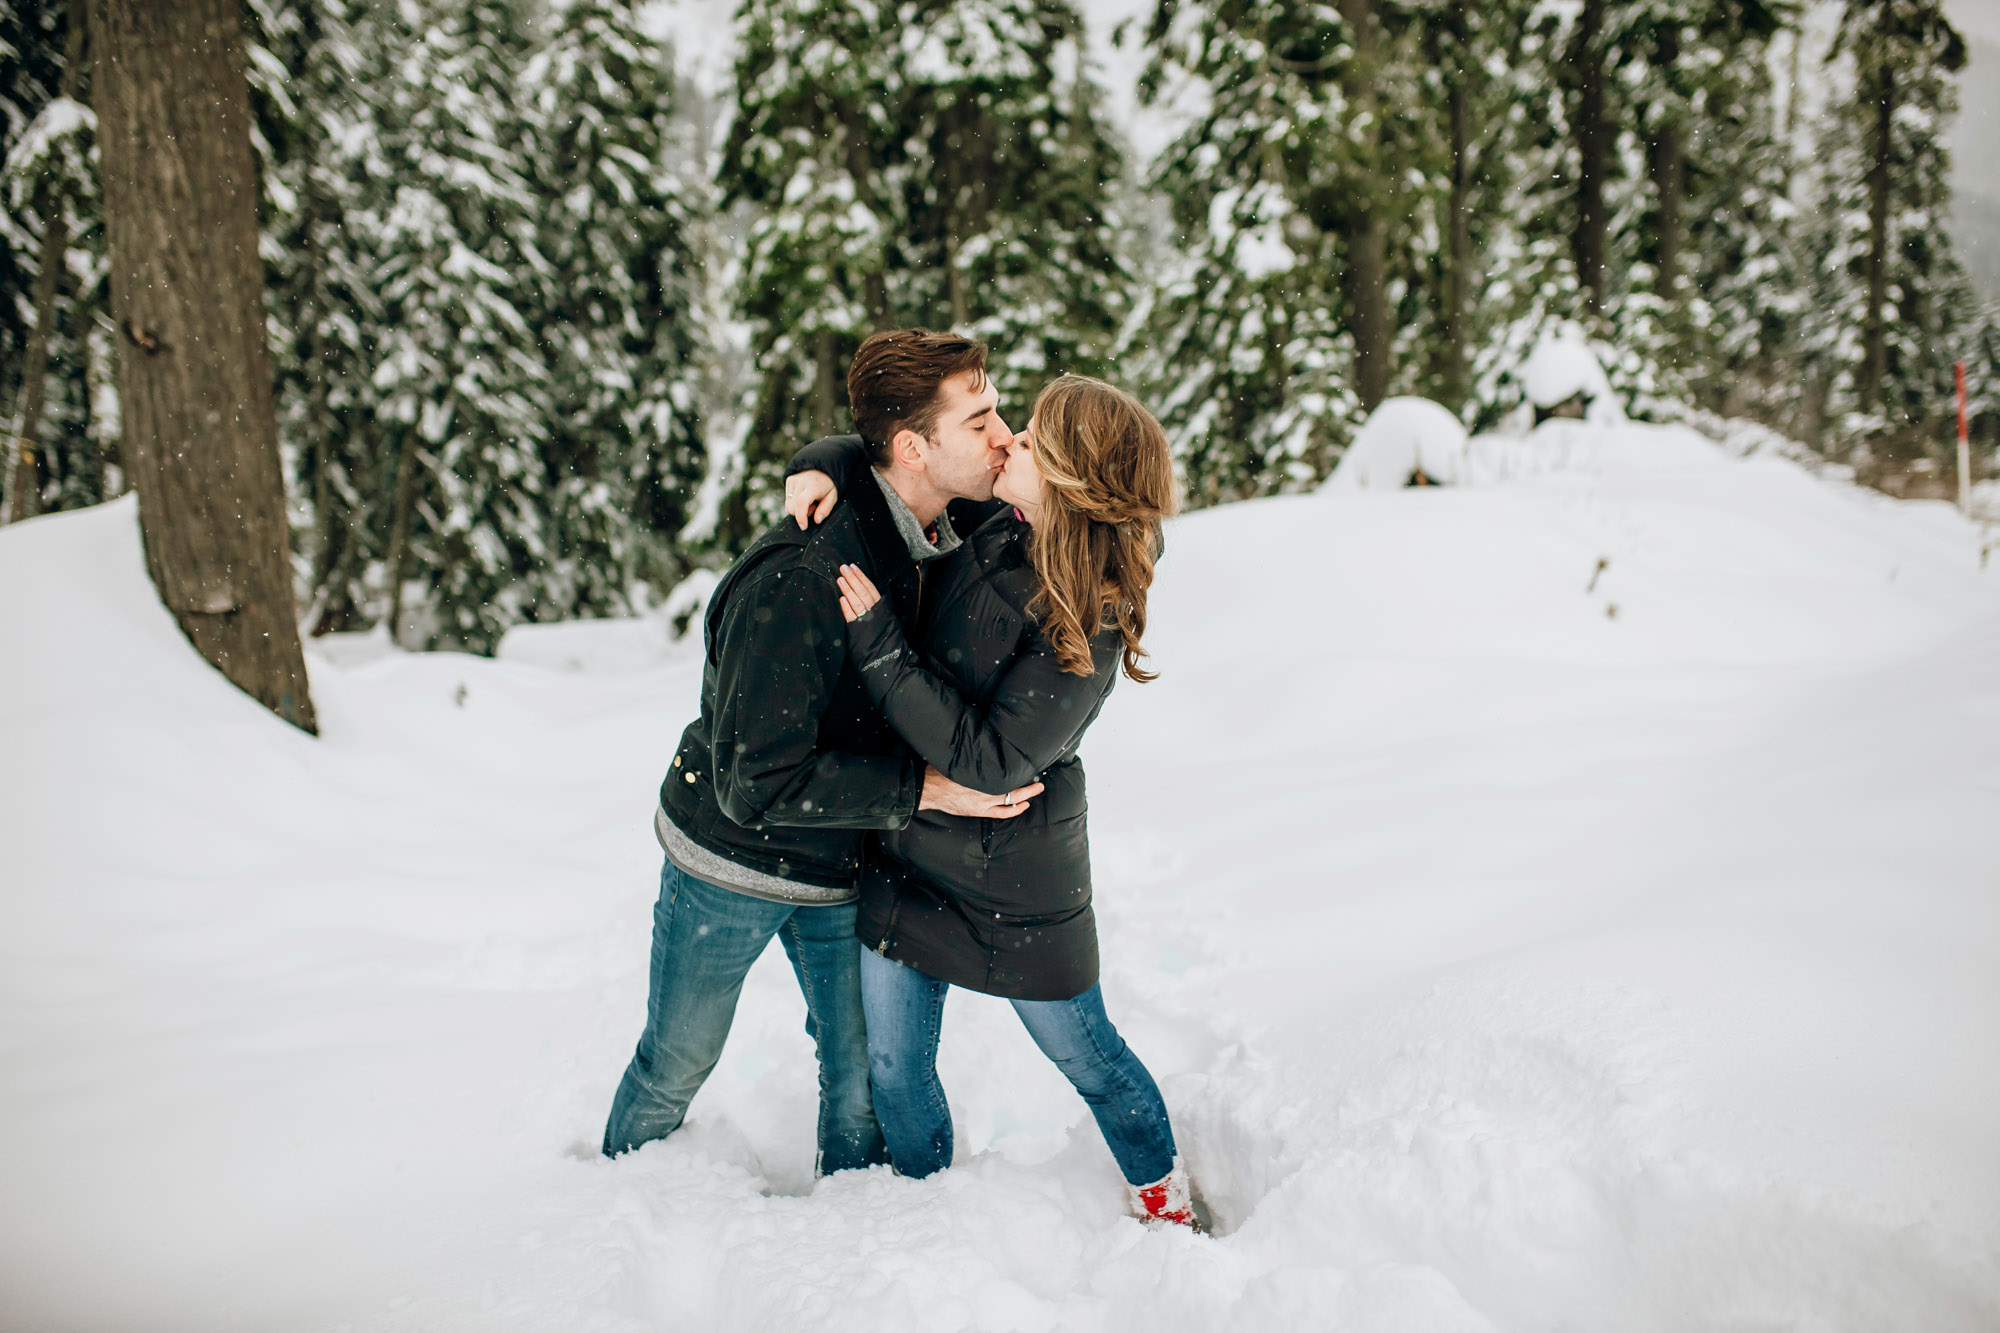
x=694 y=859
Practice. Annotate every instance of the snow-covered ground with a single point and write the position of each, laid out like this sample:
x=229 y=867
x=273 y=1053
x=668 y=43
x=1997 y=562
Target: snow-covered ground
x=1521 y=944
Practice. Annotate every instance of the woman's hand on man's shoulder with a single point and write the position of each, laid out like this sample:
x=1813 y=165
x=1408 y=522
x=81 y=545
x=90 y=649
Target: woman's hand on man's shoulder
x=810 y=495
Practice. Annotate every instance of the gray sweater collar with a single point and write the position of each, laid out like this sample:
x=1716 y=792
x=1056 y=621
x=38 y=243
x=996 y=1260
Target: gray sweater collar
x=911 y=531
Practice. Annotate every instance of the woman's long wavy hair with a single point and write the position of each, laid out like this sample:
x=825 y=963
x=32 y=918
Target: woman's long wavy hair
x=1107 y=482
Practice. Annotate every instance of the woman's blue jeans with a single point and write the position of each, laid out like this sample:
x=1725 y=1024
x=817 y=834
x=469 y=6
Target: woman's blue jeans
x=905 y=1015
x=704 y=940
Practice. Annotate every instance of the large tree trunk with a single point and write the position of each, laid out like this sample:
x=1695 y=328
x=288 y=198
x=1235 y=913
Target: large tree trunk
x=201 y=434
x=1593 y=152
x=1874 y=338
x=1458 y=241
x=1368 y=236
x=26 y=500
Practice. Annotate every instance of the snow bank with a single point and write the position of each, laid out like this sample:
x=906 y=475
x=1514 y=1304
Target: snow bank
x=577 y=645
x=1985 y=502
x=671 y=631
x=1401 y=436
x=1563 y=901
x=1563 y=366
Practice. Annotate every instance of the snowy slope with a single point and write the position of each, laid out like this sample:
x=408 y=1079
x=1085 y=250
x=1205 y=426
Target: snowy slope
x=1508 y=960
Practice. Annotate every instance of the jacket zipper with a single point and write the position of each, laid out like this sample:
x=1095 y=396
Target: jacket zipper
x=896 y=902
x=889 y=926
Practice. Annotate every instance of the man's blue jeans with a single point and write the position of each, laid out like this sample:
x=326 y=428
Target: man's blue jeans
x=905 y=1014
x=704 y=940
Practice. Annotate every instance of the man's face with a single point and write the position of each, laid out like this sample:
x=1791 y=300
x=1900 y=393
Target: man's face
x=968 y=446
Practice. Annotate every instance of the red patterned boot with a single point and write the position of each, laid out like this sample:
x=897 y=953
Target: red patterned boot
x=1168 y=1201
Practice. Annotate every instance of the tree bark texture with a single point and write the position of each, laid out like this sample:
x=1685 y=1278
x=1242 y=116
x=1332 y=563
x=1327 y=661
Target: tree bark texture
x=1593 y=152
x=26 y=500
x=1881 y=166
x=1368 y=236
x=399 y=531
x=1670 y=189
x=200 y=428
x=1458 y=277
x=827 y=383
x=1669 y=171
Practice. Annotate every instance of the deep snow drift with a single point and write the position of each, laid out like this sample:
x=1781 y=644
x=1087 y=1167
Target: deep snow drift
x=1568 y=902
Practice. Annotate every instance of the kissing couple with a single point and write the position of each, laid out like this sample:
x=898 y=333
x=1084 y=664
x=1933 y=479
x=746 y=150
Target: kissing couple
x=884 y=772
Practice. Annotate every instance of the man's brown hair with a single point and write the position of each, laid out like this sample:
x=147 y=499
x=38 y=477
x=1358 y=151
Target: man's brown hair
x=894 y=382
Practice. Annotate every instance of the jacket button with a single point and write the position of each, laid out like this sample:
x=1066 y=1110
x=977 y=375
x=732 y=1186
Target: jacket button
x=688 y=776
x=677 y=761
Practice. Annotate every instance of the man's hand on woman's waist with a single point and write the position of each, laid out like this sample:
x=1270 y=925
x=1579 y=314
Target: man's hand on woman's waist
x=941 y=793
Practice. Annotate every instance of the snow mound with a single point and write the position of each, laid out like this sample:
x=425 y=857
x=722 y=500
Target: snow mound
x=665 y=634
x=1401 y=437
x=685 y=606
x=1563 y=366
x=1564 y=901
x=578 y=645
x=1985 y=501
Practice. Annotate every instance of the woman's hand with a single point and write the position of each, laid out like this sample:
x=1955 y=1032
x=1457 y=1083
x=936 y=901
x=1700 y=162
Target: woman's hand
x=810 y=493
x=857 y=594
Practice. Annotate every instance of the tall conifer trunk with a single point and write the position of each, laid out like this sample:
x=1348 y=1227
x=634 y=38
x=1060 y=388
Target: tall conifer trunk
x=26 y=500
x=1458 y=242
x=1669 y=171
x=1874 y=340
x=1593 y=152
x=200 y=430
x=1670 y=189
x=400 y=505
x=1368 y=238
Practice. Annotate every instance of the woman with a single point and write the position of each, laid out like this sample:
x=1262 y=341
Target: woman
x=1025 y=627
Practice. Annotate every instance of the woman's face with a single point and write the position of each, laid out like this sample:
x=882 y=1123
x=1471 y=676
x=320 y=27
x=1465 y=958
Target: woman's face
x=1020 y=480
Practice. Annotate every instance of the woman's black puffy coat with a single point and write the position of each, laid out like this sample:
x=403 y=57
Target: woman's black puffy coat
x=995 y=905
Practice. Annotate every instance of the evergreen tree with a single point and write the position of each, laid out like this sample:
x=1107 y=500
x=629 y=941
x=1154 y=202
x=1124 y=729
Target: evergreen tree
x=942 y=165
x=1590 y=202
x=484 y=294
x=815 y=155
x=52 y=265
x=1484 y=276
x=624 y=455
x=316 y=94
x=1709 y=213
x=1741 y=294
x=466 y=398
x=1010 y=232
x=31 y=42
x=1306 y=196
x=1653 y=186
x=1892 y=309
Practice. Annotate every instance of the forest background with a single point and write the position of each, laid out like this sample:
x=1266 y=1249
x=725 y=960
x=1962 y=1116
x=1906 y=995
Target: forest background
x=553 y=295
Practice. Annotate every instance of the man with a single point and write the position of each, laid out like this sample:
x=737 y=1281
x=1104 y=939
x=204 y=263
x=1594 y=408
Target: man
x=775 y=786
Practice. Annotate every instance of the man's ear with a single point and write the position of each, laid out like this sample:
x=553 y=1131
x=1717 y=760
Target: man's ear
x=906 y=449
